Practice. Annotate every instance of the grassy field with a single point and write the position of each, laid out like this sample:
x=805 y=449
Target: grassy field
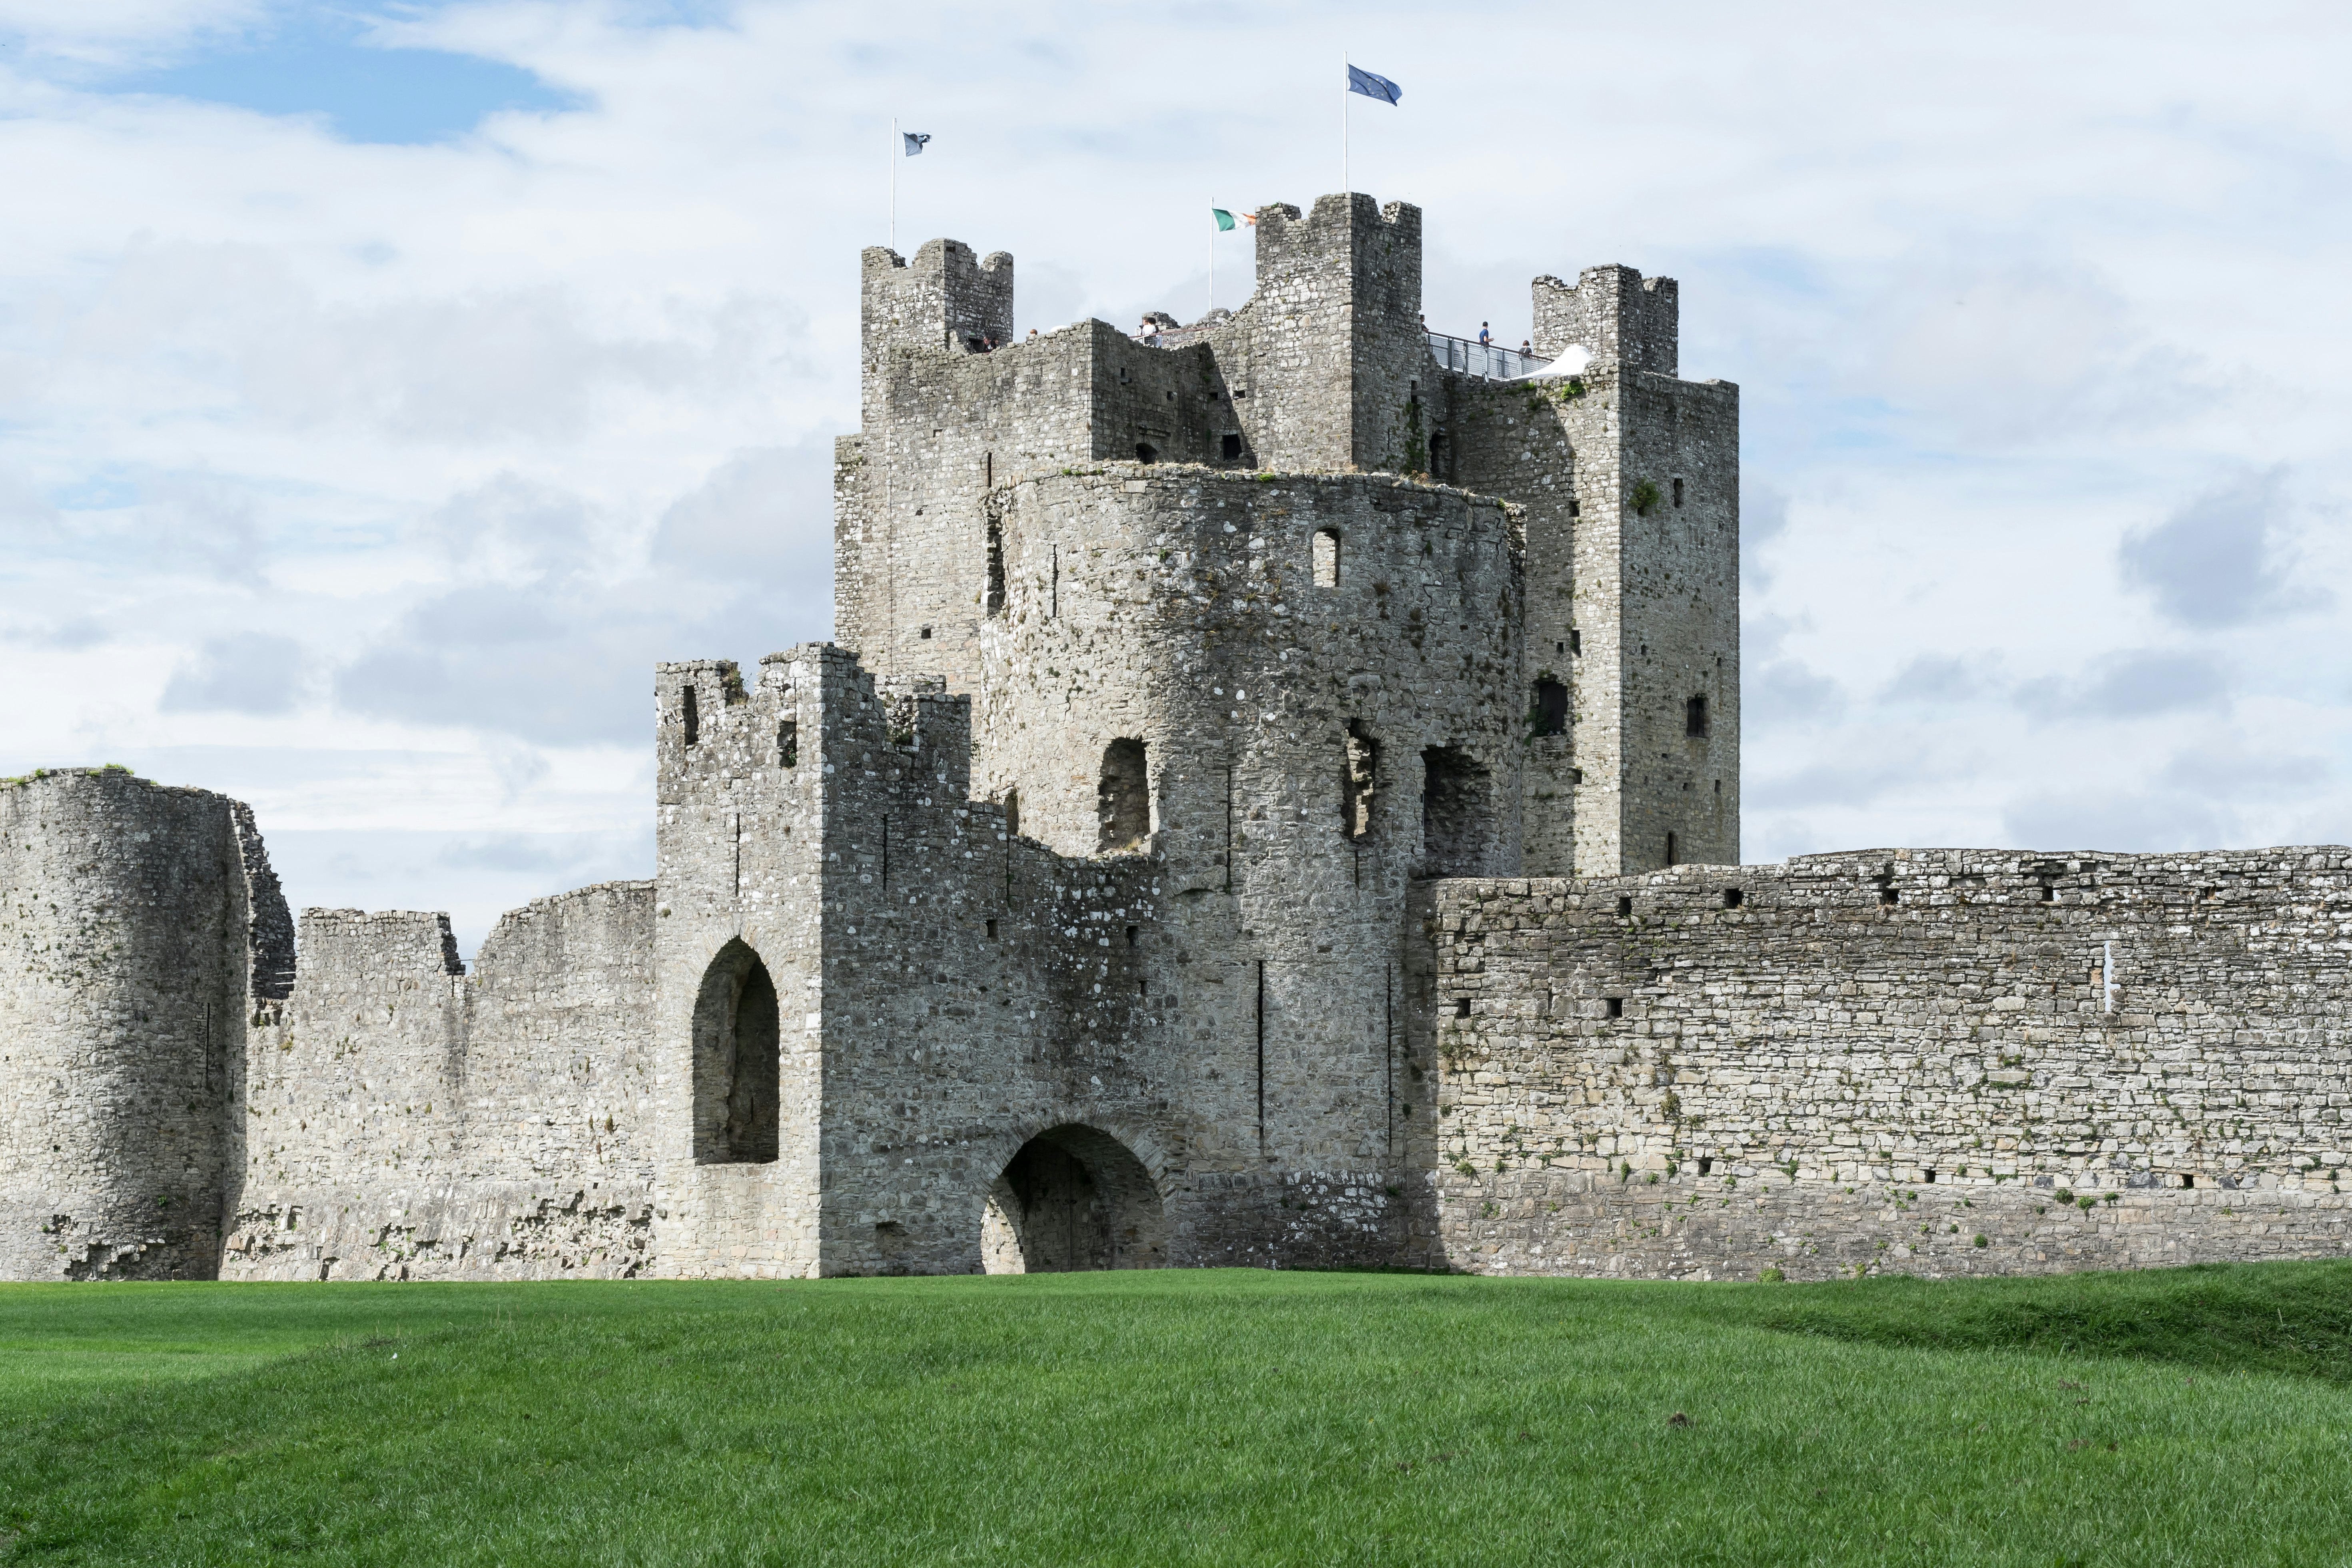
x=2191 y=1417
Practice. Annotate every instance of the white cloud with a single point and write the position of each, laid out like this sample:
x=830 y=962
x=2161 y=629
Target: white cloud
x=2017 y=297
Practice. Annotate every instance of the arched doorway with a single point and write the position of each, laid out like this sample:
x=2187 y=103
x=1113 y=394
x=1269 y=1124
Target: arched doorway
x=737 y=1060
x=1073 y=1198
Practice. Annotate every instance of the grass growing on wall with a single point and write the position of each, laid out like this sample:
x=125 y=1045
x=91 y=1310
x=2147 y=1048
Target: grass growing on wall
x=2189 y=1416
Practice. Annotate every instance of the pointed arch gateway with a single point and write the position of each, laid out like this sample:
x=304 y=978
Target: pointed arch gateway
x=737 y=1042
x=1073 y=1198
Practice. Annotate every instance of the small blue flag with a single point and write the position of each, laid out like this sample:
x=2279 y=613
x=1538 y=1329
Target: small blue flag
x=914 y=140
x=1372 y=85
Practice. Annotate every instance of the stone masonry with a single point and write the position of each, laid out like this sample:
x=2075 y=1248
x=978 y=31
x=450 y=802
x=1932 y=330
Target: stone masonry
x=1274 y=799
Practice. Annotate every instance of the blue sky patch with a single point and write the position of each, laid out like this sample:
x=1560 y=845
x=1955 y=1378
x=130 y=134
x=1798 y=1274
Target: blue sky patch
x=312 y=64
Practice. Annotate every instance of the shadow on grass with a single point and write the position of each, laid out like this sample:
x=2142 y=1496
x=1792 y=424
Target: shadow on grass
x=2292 y=1317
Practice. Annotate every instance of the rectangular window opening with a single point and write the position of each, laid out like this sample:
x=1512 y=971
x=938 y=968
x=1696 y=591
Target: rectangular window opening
x=1550 y=708
x=1327 y=558
x=1134 y=934
x=1678 y=492
x=1624 y=909
x=1233 y=447
x=1889 y=896
x=1705 y=1164
x=1732 y=898
x=1695 y=718
x=1616 y=1005
x=1575 y=641
x=1461 y=1006
x=788 y=744
x=1673 y=851
x=692 y=716
x=1929 y=1176
x=992 y=931
x=1358 y=782
x=927 y=634
x=994 y=603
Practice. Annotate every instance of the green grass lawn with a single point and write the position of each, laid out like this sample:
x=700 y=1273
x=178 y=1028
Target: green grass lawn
x=2189 y=1416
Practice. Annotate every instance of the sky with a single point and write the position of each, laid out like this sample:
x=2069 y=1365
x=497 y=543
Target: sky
x=386 y=387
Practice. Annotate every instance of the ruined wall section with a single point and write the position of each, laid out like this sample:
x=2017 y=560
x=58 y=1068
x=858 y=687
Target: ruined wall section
x=1894 y=1061
x=558 y=1068
x=359 y=1078
x=404 y=1120
x=127 y=920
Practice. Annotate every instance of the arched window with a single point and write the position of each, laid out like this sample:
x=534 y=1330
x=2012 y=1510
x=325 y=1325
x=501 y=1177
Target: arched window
x=737 y=1061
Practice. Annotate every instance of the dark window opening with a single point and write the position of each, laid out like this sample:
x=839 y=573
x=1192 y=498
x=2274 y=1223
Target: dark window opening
x=1439 y=452
x=1674 y=856
x=1624 y=909
x=1678 y=492
x=1456 y=814
x=1358 y=780
x=2049 y=894
x=1889 y=896
x=1733 y=898
x=1134 y=934
x=995 y=600
x=1929 y=1176
x=692 y=716
x=1576 y=775
x=927 y=634
x=1575 y=642
x=1551 y=708
x=1616 y=1005
x=788 y=744
x=987 y=470
x=2187 y=1180
x=1559 y=648
x=1718 y=786
x=1575 y=507
x=1143 y=988
x=992 y=931
x=1145 y=452
x=1124 y=798
x=1706 y=1163
x=1695 y=717
x=1013 y=814
x=1461 y=1006
x=736 y=1036
x=1233 y=446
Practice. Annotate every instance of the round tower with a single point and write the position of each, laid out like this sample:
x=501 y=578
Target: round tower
x=131 y=957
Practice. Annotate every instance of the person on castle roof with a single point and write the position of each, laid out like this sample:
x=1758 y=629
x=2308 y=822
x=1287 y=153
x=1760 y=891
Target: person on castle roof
x=1485 y=339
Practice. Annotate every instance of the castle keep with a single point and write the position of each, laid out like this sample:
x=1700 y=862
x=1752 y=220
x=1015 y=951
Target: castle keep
x=1274 y=799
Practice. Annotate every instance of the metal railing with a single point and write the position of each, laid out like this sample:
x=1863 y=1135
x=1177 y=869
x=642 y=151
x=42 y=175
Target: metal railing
x=1492 y=360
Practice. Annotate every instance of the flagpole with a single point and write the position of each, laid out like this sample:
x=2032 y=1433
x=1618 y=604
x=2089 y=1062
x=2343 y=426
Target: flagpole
x=1343 y=122
x=1213 y=258
x=894 y=181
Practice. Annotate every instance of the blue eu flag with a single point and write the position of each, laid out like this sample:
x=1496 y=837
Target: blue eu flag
x=1372 y=85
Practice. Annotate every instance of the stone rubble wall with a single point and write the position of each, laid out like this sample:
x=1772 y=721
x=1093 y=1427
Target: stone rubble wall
x=1862 y=1062
x=407 y=1119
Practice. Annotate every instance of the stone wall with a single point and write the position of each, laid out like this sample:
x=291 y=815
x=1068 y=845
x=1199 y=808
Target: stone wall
x=404 y=1120
x=133 y=917
x=1868 y=1061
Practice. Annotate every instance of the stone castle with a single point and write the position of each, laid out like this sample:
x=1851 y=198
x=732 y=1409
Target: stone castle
x=1273 y=800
